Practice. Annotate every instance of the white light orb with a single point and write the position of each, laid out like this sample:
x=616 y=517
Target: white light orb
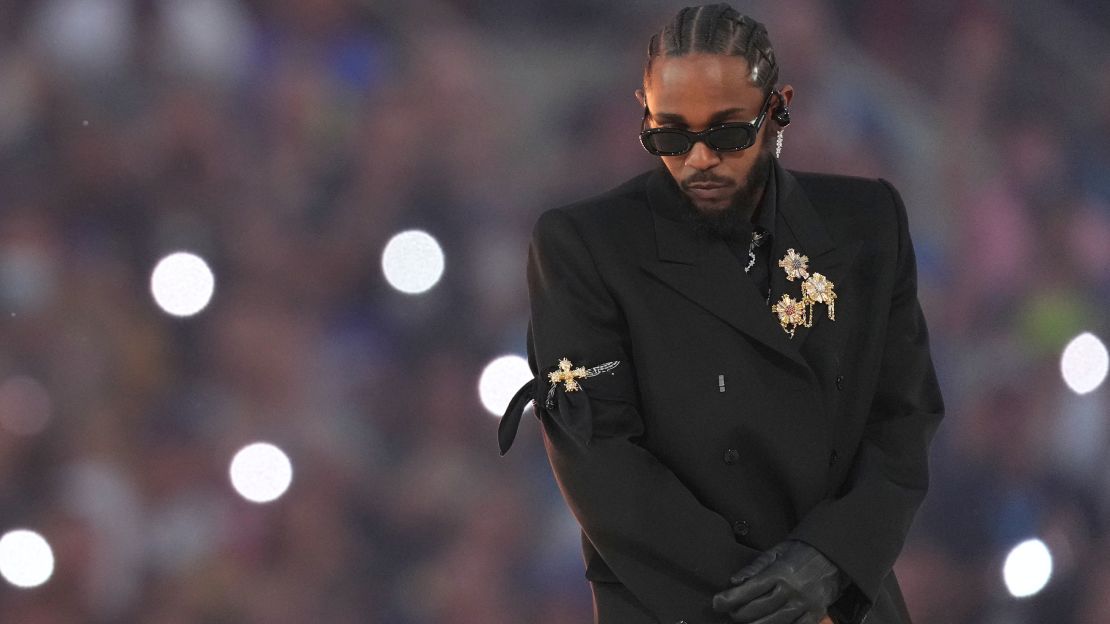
x=1084 y=363
x=412 y=262
x=1027 y=569
x=182 y=284
x=26 y=559
x=261 y=472
x=500 y=380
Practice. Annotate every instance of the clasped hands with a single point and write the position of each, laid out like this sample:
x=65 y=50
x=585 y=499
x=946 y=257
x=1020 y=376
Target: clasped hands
x=792 y=583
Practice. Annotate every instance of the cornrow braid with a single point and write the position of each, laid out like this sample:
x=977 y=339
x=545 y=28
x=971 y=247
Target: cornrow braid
x=717 y=29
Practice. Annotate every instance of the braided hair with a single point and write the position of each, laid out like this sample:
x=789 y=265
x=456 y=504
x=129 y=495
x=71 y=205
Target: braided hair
x=717 y=29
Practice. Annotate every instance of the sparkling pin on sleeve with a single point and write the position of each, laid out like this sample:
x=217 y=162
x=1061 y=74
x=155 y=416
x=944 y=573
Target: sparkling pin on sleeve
x=568 y=375
x=571 y=409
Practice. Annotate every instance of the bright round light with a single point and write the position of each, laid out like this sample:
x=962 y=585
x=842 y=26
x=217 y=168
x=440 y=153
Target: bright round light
x=412 y=262
x=1084 y=363
x=500 y=380
x=182 y=284
x=1027 y=569
x=26 y=560
x=261 y=472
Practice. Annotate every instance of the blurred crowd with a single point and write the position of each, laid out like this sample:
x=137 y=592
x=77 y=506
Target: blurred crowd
x=286 y=141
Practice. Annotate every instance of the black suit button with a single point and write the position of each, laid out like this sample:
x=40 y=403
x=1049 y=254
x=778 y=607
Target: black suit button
x=741 y=528
x=840 y=382
x=732 y=456
x=833 y=458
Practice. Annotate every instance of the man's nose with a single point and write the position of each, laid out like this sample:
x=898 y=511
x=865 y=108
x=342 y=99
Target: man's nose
x=701 y=157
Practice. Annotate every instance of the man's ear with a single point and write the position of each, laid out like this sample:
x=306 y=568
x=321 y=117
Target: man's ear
x=787 y=96
x=641 y=98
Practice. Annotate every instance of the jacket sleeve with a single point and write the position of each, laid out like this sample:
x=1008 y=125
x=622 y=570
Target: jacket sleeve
x=667 y=548
x=863 y=529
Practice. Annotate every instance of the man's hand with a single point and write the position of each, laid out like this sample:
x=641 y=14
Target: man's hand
x=792 y=583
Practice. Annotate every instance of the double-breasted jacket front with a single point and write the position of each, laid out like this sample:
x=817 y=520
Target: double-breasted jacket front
x=717 y=434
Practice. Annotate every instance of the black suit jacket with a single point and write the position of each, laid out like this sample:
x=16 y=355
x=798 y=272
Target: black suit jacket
x=717 y=435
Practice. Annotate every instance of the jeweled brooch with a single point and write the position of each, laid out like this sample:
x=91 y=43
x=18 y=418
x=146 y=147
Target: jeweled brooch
x=568 y=375
x=791 y=313
x=795 y=265
x=816 y=288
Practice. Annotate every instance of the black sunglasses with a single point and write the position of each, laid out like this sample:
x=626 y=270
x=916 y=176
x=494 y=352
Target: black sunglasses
x=732 y=136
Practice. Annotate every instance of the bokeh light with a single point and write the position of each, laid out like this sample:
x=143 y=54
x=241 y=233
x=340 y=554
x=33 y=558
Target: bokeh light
x=25 y=405
x=1084 y=363
x=182 y=284
x=1027 y=569
x=261 y=472
x=500 y=380
x=26 y=559
x=412 y=262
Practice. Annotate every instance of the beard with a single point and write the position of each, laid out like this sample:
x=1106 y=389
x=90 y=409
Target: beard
x=735 y=217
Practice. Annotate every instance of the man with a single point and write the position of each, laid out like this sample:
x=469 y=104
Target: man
x=733 y=372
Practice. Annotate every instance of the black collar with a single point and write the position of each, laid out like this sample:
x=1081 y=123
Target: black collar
x=705 y=270
x=768 y=204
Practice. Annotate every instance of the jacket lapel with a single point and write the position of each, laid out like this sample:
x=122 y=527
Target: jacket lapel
x=799 y=227
x=707 y=273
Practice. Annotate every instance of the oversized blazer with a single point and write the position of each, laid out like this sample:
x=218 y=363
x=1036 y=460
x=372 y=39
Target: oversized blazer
x=717 y=435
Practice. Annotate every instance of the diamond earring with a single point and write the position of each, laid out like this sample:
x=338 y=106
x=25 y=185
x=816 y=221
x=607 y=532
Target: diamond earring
x=778 y=144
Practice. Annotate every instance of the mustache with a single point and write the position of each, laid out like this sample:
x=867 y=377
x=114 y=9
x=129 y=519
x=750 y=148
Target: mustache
x=706 y=178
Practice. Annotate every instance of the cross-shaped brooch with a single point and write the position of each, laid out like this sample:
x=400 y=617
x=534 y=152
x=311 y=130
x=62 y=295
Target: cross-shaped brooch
x=568 y=375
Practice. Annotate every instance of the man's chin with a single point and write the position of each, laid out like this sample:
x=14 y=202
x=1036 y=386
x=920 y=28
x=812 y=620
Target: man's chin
x=710 y=208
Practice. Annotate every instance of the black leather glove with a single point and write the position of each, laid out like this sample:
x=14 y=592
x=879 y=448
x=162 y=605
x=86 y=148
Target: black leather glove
x=792 y=583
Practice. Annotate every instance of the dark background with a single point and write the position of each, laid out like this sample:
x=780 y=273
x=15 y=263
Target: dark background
x=286 y=142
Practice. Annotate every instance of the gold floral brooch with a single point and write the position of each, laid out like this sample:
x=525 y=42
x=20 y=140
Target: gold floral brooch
x=568 y=375
x=816 y=288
